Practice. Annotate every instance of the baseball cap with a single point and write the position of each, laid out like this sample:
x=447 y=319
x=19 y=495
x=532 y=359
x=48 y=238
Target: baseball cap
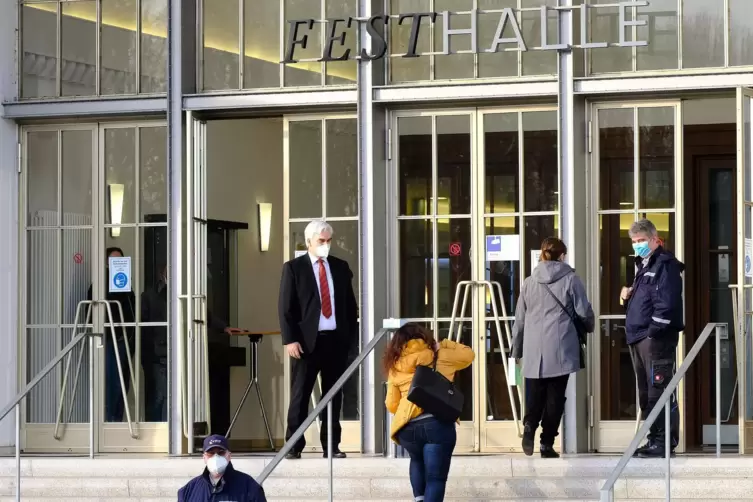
x=215 y=441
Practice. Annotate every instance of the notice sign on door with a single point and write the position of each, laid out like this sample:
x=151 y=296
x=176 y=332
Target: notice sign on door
x=748 y=258
x=502 y=248
x=120 y=274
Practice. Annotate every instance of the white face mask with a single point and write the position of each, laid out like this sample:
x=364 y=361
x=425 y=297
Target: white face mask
x=217 y=465
x=322 y=251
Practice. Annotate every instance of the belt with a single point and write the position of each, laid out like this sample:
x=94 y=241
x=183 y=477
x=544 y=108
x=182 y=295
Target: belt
x=327 y=332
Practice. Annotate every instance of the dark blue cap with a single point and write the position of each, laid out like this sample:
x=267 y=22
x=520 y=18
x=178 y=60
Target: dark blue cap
x=215 y=441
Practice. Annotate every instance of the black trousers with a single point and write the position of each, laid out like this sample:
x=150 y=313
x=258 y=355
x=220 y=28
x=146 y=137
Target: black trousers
x=545 y=404
x=654 y=364
x=330 y=358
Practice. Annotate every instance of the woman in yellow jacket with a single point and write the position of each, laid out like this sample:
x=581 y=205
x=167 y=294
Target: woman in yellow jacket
x=429 y=441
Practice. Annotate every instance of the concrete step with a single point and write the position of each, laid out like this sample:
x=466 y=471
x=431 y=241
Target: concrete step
x=478 y=478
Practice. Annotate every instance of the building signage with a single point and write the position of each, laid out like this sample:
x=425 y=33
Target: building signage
x=120 y=274
x=508 y=36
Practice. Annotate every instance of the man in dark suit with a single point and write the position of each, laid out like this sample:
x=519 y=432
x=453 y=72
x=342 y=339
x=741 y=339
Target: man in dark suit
x=319 y=324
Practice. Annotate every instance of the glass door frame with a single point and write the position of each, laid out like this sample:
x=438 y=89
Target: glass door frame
x=624 y=430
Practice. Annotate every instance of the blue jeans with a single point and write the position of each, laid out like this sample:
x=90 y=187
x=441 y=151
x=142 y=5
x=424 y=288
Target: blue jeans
x=430 y=444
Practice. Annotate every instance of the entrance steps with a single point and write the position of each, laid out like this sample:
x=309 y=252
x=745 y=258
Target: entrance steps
x=473 y=478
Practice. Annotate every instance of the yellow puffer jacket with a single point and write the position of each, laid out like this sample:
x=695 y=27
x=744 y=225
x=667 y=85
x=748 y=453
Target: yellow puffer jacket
x=451 y=358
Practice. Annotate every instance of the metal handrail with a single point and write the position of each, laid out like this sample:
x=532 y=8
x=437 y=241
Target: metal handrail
x=607 y=490
x=326 y=401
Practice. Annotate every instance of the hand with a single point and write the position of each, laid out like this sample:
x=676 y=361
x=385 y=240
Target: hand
x=233 y=331
x=294 y=350
x=625 y=293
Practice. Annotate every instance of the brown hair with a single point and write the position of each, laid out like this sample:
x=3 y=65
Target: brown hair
x=408 y=332
x=552 y=249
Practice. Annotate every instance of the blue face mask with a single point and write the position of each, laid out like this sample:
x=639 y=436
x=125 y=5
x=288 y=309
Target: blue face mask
x=641 y=249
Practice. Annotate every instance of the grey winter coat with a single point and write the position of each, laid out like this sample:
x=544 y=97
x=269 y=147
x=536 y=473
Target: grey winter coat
x=544 y=337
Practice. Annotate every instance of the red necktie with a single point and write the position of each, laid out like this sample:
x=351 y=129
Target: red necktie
x=324 y=291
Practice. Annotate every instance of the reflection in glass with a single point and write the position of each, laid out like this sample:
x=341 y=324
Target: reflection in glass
x=342 y=72
x=153 y=174
x=262 y=45
x=342 y=167
x=617 y=264
x=464 y=378
x=306 y=73
x=120 y=169
x=498 y=64
x=409 y=69
x=498 y=397
x=78 y=48
x=76 y=268
x=454 y=65
x=740 y=33
x=415 y=169
x=537 y=228
x=220 y=44
x=42 y=166
x=77 y=177
x=305 y=175
x=665 y=228
x=453 y=164
x=616 y=158
x=39 y=44
x=501 y=162
x=507 y=273
x=119 y=47
x=297 y=238
x=540 y=161
x=42 y=272
x=539 y=62
x=702 y=33
x=661 y=32
x=416 y=264
x=345 y=246
x=153 y=45
x=453 y=262
x=657 y=162
x=618 y=399
x=605 y=27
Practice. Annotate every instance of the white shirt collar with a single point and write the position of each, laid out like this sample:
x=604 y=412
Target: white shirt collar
x=315 y=258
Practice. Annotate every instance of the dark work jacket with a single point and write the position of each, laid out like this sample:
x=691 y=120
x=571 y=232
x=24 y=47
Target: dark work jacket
x=655 y=307
x=234 y=486
x=300 y=306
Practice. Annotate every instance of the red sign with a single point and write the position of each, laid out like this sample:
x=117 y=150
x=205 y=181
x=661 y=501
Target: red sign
x=455 y=249
x=78 y=258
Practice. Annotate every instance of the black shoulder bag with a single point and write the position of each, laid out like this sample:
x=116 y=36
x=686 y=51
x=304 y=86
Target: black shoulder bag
x=435 y=394
x=580 y=327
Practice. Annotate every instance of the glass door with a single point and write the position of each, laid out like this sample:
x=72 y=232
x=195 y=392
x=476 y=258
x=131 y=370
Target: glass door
x=636 y=174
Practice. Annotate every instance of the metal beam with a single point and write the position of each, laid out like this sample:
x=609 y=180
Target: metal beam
x=475 y=91
x=292 y=99
x=626 y=84
x=98 y=108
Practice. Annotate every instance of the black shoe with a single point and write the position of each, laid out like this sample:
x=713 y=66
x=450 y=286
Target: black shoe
x=335 y=454
x=548 y=452
x=642 y=449
x=656 y=450
x=293 y=455
x=528 y=434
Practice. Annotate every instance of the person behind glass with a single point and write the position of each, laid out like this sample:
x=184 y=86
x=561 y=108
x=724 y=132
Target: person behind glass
x=114 y=403
x=545 y=338
x=319 y=324
x=428 y=440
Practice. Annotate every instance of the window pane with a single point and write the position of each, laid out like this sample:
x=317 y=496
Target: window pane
x=498 y=400
x=665 y=228
x=657 y=160
x=415 y=171
x=416 y=275
x=499 y=64
x=453 y=66
x=616 y=158
x=740 y=33
x=537 y=229
x=119 y=47
x=39 y=41
x=454 y=164
x=605 y=27
x=153 y=175
x=342 y=168
x=77 y=177
x=261 y=67
x=541 y=161
x=76 y=268
x=507 y=273
x=220 y=44
x=306 y=73
x=501 y=162
x=538 y=62
x=661 y=33
x=297 y=239
x=453 y=262
x=617 y=265
x=78 y=46
x=617 y=376
x=153 y=45
x=42 y=272
x=345 y=246
x=702 y=33
x=409 y=69
x=342 y=72
x=305 y=169
x=120 y=175
x=42 y=165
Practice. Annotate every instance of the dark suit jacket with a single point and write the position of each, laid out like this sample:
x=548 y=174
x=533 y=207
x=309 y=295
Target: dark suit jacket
x=300 y=306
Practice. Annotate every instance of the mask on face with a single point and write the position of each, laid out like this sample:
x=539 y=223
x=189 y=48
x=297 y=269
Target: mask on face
x=641 y=249
x=322 y=251
x=217 y=465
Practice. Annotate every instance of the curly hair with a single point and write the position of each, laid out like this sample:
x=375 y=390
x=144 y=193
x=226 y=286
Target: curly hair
x=408 y=332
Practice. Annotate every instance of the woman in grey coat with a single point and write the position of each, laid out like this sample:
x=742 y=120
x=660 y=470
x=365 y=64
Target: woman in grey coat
x=545 y=338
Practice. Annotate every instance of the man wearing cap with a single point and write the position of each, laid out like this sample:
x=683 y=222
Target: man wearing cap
x=220 y=481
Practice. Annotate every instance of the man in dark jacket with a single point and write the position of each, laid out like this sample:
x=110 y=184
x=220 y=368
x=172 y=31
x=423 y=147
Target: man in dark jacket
x=653 y=322
x=220 y=482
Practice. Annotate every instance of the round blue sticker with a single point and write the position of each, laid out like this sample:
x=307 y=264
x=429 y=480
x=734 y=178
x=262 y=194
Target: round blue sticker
x=120 y=280
x=747 y=264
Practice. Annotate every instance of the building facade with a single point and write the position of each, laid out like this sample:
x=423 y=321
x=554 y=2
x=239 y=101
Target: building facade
x=428 y=132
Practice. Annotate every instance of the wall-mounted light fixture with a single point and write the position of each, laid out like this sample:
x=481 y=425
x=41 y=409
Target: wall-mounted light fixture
x=116 y=207
x=265 y=224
